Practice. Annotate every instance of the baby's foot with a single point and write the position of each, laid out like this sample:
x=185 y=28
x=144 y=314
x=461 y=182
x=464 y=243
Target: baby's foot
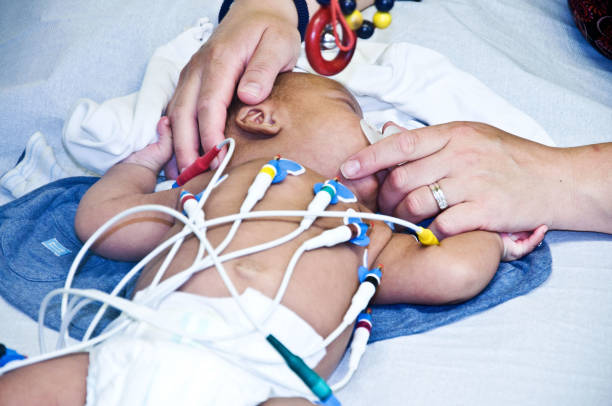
x=155 y=156
x=517 y=245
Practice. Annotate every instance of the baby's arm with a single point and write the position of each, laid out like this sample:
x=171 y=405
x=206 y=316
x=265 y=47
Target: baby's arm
x=454 y=271
x=128 y=184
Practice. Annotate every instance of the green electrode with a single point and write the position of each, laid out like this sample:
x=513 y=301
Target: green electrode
x=329 y=189
x=315 y=383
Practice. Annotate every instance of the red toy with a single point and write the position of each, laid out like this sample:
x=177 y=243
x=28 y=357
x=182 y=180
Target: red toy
x=314 y=36
x=326 y=20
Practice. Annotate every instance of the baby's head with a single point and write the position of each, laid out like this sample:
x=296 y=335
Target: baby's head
x=310 y=119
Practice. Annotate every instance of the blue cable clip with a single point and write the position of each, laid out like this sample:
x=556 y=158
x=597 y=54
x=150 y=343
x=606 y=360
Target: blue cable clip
x=343 y=193
x=284 y=167
x=362 y=239
x=364 y=316
x=363 y=273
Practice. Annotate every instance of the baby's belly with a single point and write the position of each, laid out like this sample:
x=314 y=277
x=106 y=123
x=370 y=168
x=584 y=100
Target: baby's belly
x=319 y=290
x=321 y=286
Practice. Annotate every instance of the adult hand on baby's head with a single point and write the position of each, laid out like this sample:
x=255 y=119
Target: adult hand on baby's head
x=491 y=180
x=255 y=41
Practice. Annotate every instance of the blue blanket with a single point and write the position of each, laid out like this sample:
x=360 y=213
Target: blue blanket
x=38 y=245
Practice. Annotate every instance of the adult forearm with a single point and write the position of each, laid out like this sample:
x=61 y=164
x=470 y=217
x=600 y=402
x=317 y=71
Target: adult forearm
x=584 y=188
x=491 y=180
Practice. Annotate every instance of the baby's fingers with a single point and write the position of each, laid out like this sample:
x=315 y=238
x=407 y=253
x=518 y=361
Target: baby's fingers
x=517 y=245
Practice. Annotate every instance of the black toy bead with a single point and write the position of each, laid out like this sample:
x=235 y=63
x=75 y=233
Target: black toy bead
x=323 y=2
x=384 y=5
x=347 y=6
x=366 y=30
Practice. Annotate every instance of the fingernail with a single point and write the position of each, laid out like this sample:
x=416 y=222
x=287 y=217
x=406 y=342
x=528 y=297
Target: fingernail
x=214 y=164
x=350 y=168
x=252 y=88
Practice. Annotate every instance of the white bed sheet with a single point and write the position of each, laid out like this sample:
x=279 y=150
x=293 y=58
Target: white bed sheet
x=551 y=346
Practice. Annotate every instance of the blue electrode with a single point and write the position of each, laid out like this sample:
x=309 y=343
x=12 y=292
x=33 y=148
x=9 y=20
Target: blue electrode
x=354 y=230
x=7 y=355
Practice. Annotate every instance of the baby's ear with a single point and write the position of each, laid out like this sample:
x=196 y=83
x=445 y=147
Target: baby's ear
x=259 y=119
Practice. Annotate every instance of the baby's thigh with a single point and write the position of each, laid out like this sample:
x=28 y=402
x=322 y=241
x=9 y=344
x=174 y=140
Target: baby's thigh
x=60 y=381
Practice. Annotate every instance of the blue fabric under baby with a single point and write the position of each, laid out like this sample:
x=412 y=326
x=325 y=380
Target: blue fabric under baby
x=38 y=246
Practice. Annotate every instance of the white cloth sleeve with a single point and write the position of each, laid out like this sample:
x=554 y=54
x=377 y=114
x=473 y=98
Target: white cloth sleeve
x=403 y=82
x=98 y=136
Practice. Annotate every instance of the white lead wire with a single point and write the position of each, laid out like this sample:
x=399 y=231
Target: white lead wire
x=200 y=263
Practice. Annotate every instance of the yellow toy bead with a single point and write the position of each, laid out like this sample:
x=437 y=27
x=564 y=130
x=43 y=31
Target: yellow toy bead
x=382 y=19
x=354 y=20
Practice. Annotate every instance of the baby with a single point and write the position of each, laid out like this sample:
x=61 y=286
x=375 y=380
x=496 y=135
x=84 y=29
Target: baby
x=315 y=122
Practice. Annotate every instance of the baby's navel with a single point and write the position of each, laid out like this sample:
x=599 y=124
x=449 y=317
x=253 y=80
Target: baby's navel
x=247 y=269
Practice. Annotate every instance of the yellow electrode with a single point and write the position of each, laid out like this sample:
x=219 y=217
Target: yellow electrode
x=427 y=237
x=269 y=170
x=382 y=19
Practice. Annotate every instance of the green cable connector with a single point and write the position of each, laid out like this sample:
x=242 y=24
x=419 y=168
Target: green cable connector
x=315 y=383
x=330 y=190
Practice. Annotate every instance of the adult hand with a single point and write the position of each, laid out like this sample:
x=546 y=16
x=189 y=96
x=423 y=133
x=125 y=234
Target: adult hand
x=256 y=40
x=491 y=180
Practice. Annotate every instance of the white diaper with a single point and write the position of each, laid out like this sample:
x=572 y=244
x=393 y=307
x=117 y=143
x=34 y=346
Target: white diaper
x=144 y=365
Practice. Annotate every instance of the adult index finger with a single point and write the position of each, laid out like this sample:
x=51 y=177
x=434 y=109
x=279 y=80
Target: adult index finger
x=408 y=145
x=219 y=77
x=182 y=115
x=274 y=54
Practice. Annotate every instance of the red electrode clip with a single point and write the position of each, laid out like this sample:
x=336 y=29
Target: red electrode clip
x=199 y=166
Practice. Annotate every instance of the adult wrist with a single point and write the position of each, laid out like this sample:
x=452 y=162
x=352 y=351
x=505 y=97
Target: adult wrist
x=558 y=187
x=562 y=188
x=296 y=12
x=588 y=188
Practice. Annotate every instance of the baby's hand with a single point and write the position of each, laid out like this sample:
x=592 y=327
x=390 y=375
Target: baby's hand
x=517 y=245
x=155 y=156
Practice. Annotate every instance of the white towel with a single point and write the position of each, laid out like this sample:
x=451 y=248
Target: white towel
x=98 y=136
x=38 y=167
x=402 y=82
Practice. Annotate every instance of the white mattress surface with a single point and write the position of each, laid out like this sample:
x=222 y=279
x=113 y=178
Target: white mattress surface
x=551 y=346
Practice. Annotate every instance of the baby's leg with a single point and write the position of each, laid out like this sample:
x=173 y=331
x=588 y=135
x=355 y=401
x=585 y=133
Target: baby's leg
x=60 y=381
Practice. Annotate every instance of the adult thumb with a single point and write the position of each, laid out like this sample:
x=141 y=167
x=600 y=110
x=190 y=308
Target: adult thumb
x=460 y=218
